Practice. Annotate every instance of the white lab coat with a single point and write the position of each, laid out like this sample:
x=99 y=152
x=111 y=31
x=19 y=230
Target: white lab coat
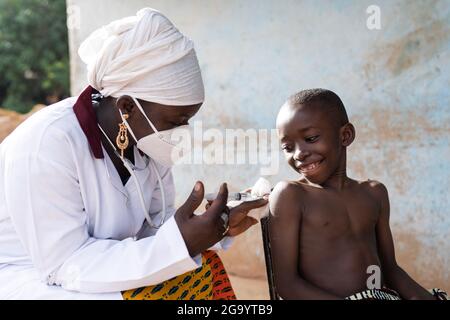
x=67 y=222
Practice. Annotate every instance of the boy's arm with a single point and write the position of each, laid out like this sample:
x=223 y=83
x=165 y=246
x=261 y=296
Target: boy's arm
x=284 y=230
x=396 y=278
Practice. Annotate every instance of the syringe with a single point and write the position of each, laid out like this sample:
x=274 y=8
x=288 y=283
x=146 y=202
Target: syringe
x=233 y=196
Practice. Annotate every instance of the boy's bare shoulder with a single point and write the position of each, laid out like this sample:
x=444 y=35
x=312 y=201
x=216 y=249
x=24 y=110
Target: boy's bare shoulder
x=288 y=189
x=286 y=198
x=375 y=188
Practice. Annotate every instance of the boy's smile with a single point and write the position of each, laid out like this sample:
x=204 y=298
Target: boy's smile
x=308 y=168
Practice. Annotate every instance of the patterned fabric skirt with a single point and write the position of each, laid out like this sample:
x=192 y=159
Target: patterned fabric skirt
x=208 y=282
x=375 y=294
x=388 y=294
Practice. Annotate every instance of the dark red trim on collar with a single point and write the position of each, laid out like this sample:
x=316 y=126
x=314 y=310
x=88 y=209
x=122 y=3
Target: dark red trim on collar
x=88 y=121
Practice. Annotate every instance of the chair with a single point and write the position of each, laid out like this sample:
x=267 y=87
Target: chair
x=268 y=258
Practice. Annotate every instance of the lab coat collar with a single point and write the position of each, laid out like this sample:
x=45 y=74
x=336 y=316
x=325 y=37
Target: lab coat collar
x=88 y=121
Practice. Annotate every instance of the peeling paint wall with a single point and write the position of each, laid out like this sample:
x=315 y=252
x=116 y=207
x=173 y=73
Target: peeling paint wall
x=394 y=82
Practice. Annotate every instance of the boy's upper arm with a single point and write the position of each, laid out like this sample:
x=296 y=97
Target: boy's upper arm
x=284 y=229
x=383 y=231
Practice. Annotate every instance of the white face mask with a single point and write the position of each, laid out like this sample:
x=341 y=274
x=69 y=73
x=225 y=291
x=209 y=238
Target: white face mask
x=160 y=145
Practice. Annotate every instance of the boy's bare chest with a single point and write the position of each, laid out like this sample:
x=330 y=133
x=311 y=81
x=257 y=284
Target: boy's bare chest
x=334 y=215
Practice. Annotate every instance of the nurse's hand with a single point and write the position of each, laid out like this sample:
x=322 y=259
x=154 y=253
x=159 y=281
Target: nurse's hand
x=239 y=221
x=201 y=232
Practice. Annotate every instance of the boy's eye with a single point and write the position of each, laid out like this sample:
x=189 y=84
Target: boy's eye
x=311 y=139
x=286 y=148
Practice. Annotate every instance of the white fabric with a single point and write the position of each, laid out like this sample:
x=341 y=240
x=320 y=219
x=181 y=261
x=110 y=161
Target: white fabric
x=146 y=57
x=261 y=188
x=67 y=221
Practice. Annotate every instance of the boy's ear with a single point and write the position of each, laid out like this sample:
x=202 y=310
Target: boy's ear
x=125 y=104
x=347 y=134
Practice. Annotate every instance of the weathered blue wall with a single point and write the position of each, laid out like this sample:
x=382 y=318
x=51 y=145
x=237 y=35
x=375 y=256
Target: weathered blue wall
x=394 y=82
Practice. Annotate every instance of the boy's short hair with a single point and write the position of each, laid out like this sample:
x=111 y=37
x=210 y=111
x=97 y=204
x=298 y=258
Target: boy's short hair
x=322 y=98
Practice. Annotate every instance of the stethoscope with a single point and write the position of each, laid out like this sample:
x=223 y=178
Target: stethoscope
x=131 y=168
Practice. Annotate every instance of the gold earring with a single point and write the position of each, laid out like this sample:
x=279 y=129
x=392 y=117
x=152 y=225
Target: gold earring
x=122 y=136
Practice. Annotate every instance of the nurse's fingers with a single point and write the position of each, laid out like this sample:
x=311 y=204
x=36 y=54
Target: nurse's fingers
x=220 y=203
x=249 y=205
x=239 y=213
x=242 y=226
x=194 y=199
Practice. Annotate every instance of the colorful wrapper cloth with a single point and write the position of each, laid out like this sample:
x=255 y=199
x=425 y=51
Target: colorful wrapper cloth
x=208 y=282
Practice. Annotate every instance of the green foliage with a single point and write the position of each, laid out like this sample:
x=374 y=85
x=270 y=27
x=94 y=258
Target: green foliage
x=34 y=57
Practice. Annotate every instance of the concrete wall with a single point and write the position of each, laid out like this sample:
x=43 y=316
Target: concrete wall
x=394 y=82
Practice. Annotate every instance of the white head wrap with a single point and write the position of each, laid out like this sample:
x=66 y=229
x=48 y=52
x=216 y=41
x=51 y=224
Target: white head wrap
x=146 y=57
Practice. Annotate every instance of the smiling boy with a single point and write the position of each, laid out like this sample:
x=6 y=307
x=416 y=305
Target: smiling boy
x=327 y=229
